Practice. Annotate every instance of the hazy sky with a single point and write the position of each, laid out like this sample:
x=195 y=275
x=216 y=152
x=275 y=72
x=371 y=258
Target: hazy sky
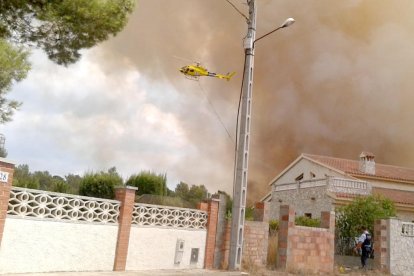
x=337 y=82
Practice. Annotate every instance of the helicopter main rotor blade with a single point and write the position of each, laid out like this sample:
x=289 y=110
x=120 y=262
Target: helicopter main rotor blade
x=186 y=59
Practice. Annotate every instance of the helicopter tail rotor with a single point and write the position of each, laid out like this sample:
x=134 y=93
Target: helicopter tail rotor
x=229 y=75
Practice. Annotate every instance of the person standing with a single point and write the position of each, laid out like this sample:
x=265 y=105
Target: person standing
x=364 y=244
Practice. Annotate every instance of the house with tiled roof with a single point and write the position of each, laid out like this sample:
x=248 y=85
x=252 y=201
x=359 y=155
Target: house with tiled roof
x=314 y=183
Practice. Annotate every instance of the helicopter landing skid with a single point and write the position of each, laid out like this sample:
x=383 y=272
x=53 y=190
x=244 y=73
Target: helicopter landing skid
x=194 y=78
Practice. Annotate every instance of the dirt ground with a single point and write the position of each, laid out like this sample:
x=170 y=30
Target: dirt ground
x=354 y=272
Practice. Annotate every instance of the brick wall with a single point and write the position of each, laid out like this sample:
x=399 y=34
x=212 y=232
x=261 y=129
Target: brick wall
x=256 y=235
x=305 y=249
x=255 y=240
x=8 y=169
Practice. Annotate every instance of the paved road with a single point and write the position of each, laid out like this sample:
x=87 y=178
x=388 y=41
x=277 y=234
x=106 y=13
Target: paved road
x=191 y=272
x=188 y=272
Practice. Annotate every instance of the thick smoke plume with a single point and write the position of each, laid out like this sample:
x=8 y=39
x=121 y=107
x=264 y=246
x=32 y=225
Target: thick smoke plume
x=337 y=82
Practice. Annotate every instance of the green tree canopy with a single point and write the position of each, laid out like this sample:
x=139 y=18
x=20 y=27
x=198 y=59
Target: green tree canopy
x=73 y=181
x=59 y=185
x=22 y=177
x=43 y=180
x=197 y=193
x=13 y=68
x=229 y=202
x=149 y=182
x=3 y=152
x=363 y=211
x=101 y=184
x=181 y=190
x=193 y=194
x=62 y=27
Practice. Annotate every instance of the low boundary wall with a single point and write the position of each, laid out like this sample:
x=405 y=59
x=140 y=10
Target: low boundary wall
x=156 y=233
x=155 y=248
x=393 y=245
x=256 y=236
x=305 y=249
x=38 y=246
x=44 y=232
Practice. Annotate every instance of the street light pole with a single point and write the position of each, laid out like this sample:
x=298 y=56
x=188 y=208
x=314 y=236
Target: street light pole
x=240 y=178
x=243 y=141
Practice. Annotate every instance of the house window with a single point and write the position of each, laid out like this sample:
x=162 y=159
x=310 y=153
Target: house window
x=308 y=215
x=299 y=178
x=312 y=175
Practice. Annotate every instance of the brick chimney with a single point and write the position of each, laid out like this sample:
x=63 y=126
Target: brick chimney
x=367 y=162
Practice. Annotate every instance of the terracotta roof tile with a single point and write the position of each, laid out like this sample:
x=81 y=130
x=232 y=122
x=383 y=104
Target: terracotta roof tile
x=345 y=195
x=352 y=167
x=398 y=196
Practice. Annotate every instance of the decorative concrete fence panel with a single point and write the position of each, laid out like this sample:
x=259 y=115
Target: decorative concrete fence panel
x=58 y=232
x=166 y=238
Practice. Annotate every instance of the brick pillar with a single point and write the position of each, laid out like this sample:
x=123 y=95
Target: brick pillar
x=328 y=221
x=225 y=248
x=286 y=221
x=203 y=206
x=221 y=231
x=259 y=211
x=382 y=253
x=212 y=211
x=6 y=181
x=127 y=197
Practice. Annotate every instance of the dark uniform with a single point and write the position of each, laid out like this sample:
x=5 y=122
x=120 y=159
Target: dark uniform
x=365 y=241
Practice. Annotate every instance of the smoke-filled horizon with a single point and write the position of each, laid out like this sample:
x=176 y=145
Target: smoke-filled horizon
x=337 y=82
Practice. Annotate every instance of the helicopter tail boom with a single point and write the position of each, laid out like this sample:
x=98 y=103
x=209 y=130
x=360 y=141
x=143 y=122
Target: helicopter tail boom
x=226 y=77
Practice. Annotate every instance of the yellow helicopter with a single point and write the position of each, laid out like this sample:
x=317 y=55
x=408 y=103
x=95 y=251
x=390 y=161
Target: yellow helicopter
x=196 y=71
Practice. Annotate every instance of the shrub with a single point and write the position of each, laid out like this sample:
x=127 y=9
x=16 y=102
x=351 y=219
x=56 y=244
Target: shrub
x=149 y=182
x=249 y=215
x=100 y=184
x=363 y=211
x=306 y=221
x=273 y=225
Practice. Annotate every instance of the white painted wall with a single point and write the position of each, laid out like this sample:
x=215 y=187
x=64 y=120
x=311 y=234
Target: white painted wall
x=154 y=248
x=401 y=250
x=30 y=245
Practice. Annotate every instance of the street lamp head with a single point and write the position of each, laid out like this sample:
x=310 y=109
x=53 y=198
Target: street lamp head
x=288 y=22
